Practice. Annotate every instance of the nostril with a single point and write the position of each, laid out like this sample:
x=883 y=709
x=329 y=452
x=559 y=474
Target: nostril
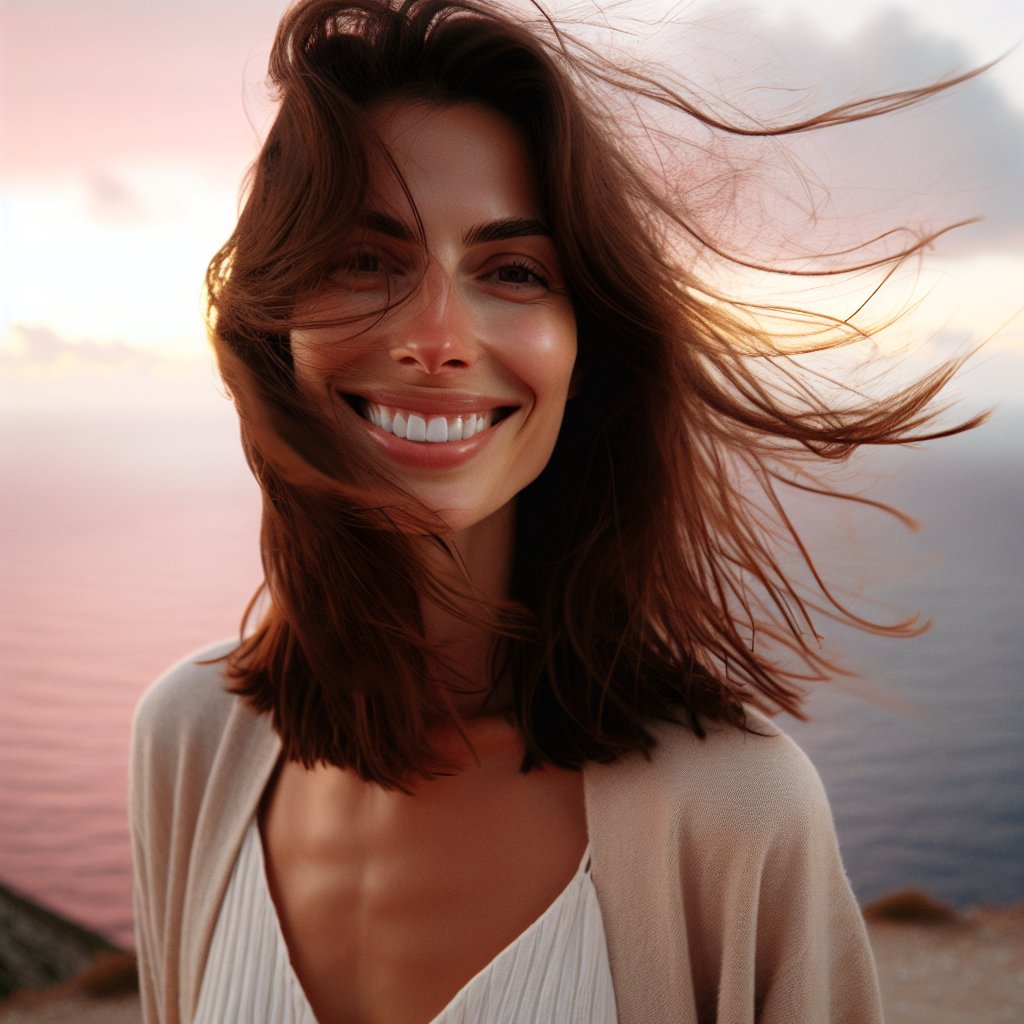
x=430 y=364
x=432 y=358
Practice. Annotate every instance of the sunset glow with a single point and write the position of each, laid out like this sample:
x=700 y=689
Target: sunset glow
x=125 y=178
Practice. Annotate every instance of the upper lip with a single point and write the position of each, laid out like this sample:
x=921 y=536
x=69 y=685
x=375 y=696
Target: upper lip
x=430 y=401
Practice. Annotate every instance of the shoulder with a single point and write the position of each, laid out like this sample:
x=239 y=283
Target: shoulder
x=755 y=783
x=180 y=718
x=189 y=694
x=750 y=772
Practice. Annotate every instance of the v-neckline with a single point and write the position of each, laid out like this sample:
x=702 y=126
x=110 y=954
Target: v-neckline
x=580 y=877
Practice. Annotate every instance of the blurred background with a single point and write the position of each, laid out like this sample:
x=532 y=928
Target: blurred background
x=128 y=523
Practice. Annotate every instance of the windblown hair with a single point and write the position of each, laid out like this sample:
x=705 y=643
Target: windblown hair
x=646 y=560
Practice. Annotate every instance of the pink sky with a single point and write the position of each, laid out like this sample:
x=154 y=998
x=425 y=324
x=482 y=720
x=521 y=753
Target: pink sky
x=127 y=128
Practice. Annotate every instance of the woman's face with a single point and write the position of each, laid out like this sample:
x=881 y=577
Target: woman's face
x=459 y=388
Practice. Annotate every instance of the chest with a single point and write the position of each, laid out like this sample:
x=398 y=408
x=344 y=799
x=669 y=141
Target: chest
x=392 y=906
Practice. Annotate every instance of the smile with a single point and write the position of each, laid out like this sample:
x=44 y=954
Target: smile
x=430 y=429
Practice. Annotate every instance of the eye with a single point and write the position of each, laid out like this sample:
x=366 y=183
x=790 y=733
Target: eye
x=364 y=263
x=364 y=269
x=519 y=274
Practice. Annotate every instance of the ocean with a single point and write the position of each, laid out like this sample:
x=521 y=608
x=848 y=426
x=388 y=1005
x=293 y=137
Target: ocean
x=128 y=540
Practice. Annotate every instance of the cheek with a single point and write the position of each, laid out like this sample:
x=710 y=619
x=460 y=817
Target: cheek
x=334 y=334
x=541 y=350
x=318 y=354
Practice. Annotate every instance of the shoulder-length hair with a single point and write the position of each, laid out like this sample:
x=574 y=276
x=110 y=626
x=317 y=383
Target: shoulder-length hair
x=646 y=562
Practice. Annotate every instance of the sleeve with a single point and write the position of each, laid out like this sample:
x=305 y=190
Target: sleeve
x=148 y=859
x=178 y=734
x=794 y=948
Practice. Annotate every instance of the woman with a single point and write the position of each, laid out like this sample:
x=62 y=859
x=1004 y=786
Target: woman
x=495 y=748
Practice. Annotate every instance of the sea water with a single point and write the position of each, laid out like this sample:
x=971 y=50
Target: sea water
x=127 y=541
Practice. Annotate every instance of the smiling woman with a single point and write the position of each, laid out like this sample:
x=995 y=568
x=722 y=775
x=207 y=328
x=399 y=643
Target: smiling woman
x=495 y=745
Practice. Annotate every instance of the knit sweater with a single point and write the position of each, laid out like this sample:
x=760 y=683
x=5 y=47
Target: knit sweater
x=721 y=889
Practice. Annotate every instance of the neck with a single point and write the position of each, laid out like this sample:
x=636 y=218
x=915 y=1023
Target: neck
x=478 y=572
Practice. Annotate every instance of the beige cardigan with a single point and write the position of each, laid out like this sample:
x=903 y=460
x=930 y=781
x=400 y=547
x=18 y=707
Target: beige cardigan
x=716 y=866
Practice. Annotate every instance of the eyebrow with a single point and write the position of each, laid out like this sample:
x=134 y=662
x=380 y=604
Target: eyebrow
x=385 y=224
x=489 y=231
x=500 y=230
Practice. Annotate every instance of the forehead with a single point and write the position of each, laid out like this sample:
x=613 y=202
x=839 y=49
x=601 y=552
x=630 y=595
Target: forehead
x=455 y=158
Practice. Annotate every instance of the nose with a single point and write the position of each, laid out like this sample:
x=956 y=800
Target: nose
x=436 y=334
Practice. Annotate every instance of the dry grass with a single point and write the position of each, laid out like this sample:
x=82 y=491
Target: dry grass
x=910 y=906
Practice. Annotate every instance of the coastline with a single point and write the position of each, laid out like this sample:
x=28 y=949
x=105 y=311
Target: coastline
x=935 y=965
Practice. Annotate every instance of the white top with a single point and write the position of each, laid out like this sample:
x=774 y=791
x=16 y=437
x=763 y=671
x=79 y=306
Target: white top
x=555 y=972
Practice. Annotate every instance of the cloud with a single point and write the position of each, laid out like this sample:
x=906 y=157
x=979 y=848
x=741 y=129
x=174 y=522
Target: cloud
x=960 y=154
x=955 y=156
x=44 y=372
x=110 y=199
x=32 y=350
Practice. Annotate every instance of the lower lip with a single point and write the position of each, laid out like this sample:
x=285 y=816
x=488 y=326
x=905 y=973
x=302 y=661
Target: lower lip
x=427 y=454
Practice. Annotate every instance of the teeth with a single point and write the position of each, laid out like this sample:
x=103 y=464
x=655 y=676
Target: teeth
x=431 y=430
x=437 y=429
x=416 y=429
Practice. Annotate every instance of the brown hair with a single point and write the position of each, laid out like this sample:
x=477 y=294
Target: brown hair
x=645 y=560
